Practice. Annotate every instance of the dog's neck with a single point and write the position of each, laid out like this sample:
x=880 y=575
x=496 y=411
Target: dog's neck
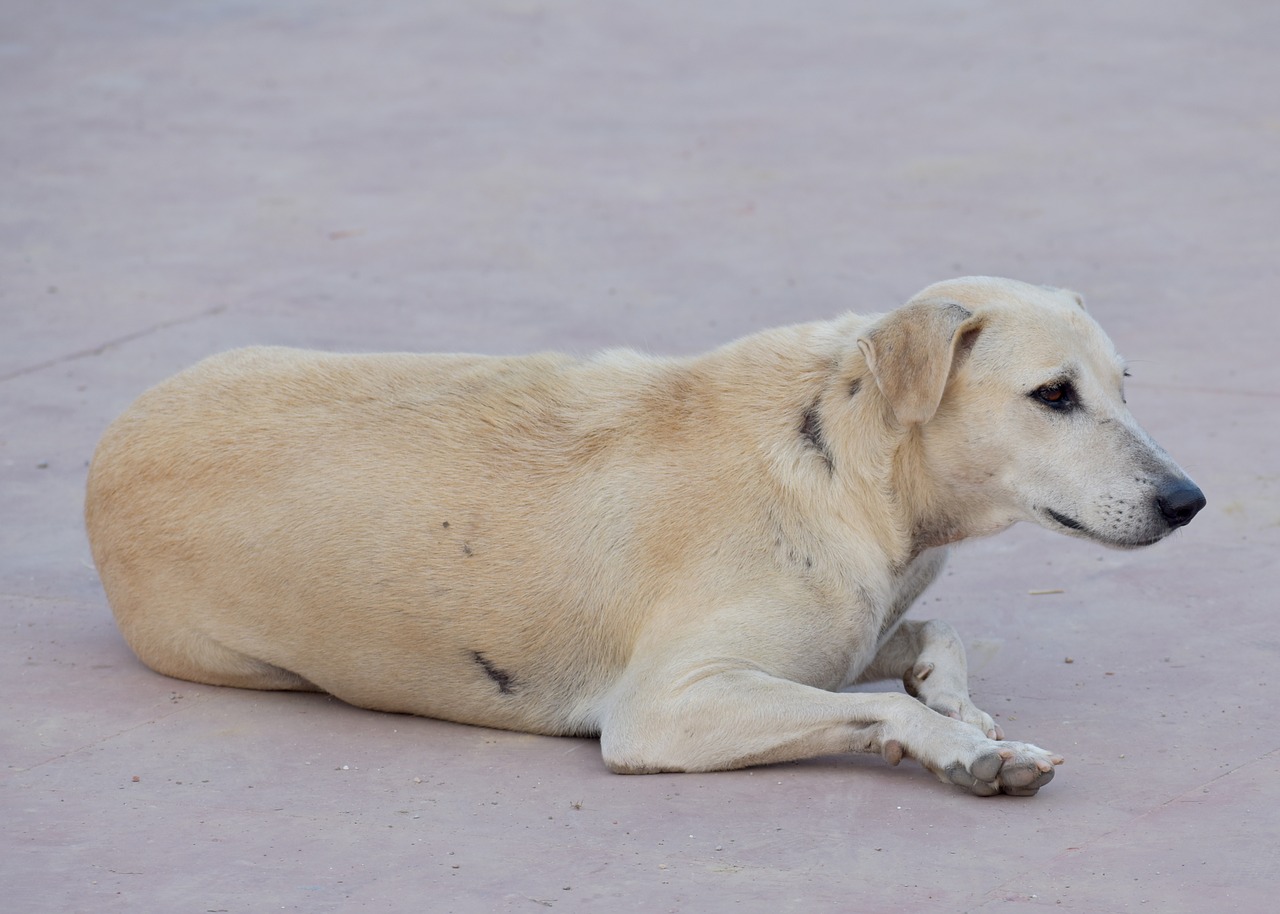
x=833 y=445
x=887 y=467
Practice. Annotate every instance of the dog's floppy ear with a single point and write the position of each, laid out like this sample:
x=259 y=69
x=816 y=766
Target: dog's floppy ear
x=910 y=353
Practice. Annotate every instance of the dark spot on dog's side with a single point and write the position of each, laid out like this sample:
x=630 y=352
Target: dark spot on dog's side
x=445 y=525
x=506 y=685
x=855 y=386
x=466 y=550
x=811 y=431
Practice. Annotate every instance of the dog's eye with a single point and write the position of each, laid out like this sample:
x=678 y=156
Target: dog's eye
x=1061 y=396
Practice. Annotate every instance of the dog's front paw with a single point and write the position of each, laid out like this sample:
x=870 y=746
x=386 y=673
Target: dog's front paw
x=984 y=767
x=1017 y=769
x=948 y=700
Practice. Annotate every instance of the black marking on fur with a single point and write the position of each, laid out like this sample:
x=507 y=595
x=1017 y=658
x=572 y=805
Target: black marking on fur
x=505 y=683
x=855 y=386
x=811 y=431
x=466 y=550
x=445 y=525
x=1067 y=522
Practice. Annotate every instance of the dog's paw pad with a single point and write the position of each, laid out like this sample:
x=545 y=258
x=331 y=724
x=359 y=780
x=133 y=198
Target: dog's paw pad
x=892 y=751
x=1021 y=791
x=963 y=777
x=1026 y=769
x=1019 y=770
x=1024 y=774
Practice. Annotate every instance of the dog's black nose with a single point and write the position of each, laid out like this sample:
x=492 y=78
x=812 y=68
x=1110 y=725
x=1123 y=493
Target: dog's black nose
x=1179 y=501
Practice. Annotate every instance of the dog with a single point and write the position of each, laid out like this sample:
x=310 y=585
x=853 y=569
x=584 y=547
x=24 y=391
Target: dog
x=688 y=557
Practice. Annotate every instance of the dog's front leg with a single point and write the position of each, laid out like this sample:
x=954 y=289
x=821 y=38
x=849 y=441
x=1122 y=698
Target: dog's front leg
x=929 y=658
x=724 y=715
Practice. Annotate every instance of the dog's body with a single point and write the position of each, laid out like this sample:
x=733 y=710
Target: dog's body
x=688 y=557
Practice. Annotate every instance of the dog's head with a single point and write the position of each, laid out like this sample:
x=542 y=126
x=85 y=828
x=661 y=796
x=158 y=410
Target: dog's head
x=1014 y=397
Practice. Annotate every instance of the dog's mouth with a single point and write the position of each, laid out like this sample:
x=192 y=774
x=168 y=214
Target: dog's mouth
x=1069 y=522
x=1072 y=525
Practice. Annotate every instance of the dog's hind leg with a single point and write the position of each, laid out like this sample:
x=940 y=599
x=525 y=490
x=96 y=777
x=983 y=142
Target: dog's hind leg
x=183 y=653
x=929 y=658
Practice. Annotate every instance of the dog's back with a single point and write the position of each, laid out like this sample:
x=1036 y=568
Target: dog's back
x=428 y=516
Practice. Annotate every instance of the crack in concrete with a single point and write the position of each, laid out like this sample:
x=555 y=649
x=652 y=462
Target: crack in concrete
x=111 y=344
x=186 y=705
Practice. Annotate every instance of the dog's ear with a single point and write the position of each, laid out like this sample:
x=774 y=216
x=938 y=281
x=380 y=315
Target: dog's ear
x=1075 y=296
x=910 y=353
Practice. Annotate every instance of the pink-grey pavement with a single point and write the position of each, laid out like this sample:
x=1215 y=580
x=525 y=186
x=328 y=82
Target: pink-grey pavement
x=178 y=177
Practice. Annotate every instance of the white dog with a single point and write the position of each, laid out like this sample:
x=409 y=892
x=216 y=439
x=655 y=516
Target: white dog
x=688 y=557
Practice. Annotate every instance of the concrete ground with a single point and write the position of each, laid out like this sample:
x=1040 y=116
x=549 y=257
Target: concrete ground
x=182 y=176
